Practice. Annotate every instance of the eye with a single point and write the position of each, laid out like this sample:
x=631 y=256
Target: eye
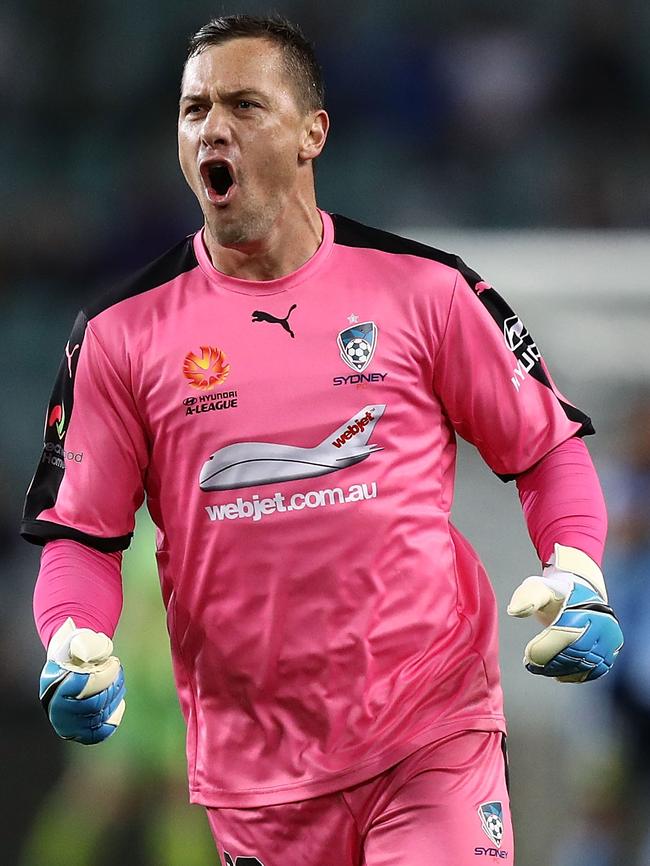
x=193 y=108
x=246 y=104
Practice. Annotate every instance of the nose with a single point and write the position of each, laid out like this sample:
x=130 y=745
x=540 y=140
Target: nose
x=215 y=129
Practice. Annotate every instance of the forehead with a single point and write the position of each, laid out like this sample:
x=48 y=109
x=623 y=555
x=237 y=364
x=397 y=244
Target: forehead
x=239 y=64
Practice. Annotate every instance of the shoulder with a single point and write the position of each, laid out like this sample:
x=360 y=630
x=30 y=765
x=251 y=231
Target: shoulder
x=163 y=271
x=349 y=233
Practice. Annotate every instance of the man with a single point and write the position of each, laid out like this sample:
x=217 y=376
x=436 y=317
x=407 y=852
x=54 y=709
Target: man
x=286 y=386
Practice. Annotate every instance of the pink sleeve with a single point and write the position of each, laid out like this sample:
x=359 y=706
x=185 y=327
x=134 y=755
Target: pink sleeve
x=89 y=480
x=77 y=581
x=494 y=385
x=563 y=502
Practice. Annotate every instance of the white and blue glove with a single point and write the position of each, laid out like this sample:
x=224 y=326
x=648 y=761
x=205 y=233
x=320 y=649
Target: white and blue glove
x=582 y=637
x=82 y=685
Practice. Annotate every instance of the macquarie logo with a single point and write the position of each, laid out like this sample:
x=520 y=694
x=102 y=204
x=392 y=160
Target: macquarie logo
x=247 y=464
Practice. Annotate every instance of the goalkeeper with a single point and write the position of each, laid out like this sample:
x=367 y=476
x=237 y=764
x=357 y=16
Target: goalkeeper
x=333 y=636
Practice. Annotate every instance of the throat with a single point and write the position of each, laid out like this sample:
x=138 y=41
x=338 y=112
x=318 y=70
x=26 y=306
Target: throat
x=260 y=256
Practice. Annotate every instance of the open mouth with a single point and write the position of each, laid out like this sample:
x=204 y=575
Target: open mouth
x=218 y=181
x=220 y=178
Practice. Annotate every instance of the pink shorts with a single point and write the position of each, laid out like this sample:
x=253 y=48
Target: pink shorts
x=444 y=805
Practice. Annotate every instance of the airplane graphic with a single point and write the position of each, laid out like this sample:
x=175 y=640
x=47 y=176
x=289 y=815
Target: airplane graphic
x=244 y=464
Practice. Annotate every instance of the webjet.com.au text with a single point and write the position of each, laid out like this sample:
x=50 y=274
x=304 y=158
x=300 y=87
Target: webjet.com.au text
x=258 y=507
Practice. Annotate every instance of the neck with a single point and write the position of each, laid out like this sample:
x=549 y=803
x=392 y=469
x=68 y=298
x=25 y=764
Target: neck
x=293 y=240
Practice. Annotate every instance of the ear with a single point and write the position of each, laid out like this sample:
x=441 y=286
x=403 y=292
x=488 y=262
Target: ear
x=314 y=135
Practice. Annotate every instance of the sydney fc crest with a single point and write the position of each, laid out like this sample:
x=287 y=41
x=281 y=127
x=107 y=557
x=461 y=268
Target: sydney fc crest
x=357 y=345
x=491 y=815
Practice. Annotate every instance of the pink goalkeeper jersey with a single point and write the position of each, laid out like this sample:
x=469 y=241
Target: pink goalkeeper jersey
x=296 y=443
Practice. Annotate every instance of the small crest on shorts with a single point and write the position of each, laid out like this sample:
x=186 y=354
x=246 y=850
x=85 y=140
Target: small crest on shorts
x=357 y=345
x=491 y=815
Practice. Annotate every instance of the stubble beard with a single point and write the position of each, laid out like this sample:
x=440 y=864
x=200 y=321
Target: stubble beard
x=252 y=224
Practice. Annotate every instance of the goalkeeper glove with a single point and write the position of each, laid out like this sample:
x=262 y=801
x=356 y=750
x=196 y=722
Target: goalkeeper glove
x=82 y=685
x=582 y=636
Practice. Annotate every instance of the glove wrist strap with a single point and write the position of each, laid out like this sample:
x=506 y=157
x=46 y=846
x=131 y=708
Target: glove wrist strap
x=577 y=562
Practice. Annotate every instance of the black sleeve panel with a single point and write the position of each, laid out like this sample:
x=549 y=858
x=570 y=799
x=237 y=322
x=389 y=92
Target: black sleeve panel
x=41 y=531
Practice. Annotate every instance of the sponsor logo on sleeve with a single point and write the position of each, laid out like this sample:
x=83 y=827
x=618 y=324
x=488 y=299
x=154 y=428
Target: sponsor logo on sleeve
x=206 y=369
x=514 y=332
x=69 y=354
x=56 y=419
x=56 y=454
x=519 y=341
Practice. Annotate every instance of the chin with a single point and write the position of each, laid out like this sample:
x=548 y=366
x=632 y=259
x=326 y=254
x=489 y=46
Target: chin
x=232 y=232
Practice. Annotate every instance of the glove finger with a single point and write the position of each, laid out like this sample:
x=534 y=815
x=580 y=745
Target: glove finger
x=103 y=679
x=589 y=656
x=76 y=718
x=108 y=709
x=95 y=735
x=549 y=643
x=534 y=595
x=90 y=647
x=109 y=697
x=75 y=685
x=116 y=716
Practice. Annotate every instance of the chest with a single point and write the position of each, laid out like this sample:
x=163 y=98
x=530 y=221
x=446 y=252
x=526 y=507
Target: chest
x=286 y=369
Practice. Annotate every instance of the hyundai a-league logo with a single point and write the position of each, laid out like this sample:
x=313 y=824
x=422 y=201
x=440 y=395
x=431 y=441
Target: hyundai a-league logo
x=357 y=345
x=514 y=332
x=491 y=815
x=207 y=370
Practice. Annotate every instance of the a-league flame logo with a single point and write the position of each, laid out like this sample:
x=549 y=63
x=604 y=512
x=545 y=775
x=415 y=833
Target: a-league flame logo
x=491 y=815
x=206 y=370
x=357 y=345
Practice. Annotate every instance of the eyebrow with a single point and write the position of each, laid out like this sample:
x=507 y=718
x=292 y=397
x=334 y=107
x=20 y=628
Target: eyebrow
x=232 y=95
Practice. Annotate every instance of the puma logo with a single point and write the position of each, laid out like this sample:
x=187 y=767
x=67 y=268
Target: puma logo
x=261 y=316
x=69 y=354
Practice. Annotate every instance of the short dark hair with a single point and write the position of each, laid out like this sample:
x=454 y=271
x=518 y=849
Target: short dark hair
x=299 y=56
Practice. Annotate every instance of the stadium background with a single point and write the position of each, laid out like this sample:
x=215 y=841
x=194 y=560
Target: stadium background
x=515 y=134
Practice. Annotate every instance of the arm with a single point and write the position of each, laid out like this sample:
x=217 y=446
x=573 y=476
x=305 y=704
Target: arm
x=77 y=603
x=79 y=582
x=81 y=505
x=499 y=395
x=563 y=502
x=567 y=521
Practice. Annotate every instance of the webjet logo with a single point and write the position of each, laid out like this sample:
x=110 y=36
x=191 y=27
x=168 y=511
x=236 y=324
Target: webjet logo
x=357 y=426
x=259 y=507
x=247 y=464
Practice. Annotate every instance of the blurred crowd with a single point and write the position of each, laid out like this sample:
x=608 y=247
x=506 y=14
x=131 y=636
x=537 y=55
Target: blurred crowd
x=467 y=114
x=473 y=114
